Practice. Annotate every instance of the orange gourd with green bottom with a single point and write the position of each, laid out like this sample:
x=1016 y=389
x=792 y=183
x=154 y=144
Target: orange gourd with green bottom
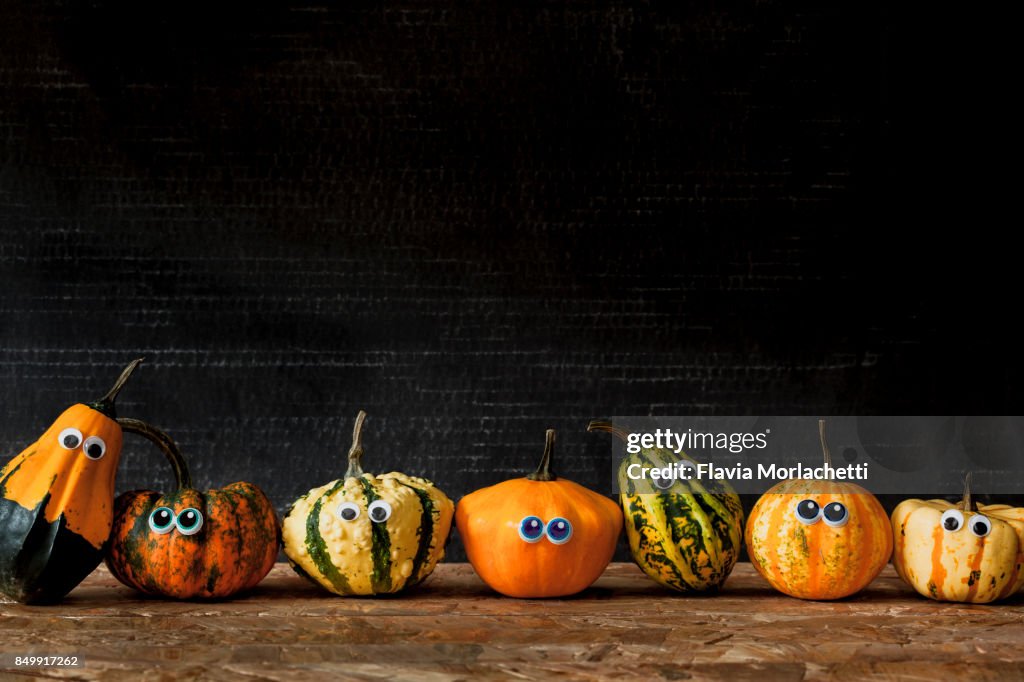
x=57 y=501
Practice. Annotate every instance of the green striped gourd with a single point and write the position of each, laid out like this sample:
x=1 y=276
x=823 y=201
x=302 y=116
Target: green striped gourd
x=365 y=534
x=686 y=537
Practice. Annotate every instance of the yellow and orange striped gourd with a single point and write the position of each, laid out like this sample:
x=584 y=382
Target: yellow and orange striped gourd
x=959 y=552
x=816 y=539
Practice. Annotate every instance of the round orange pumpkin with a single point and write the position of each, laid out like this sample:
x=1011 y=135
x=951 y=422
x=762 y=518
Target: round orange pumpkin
x=191 y=544
x=538 y=536
x=818 y=539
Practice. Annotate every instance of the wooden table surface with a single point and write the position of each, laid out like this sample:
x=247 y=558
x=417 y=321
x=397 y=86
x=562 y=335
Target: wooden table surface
x=453 y=627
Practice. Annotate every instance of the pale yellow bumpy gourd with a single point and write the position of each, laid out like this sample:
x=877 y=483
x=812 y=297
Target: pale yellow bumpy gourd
x=959 y=552
x=365 y=534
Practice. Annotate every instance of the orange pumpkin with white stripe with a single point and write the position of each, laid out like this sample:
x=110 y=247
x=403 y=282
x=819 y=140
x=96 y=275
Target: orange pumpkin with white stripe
x=959 y=552
x=816 y=539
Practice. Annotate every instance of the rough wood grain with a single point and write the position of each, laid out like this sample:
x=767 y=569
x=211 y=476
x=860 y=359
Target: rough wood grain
x=454 y=627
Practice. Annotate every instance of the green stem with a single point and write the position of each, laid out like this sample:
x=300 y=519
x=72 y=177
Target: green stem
x=824 y=443
x=355 y=453
x=166 y=445
x=543 y=472
x=105 y=404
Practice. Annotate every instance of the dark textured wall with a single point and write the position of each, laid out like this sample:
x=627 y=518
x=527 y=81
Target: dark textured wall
x=474 y=221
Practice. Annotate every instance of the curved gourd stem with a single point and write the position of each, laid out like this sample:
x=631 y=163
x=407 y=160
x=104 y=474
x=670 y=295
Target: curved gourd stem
x=166 y=445
x=105 y=404
x=967 y=502
x=824 y=443
x=626 y=486
x=355 y=453
x=543 y=472
x=606 y=426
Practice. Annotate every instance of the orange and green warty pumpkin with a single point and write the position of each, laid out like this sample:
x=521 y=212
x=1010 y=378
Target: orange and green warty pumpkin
x=57 y=500
x=959 y=552
x=366 y=534
x=685 y=535
x=538 y=536
x=190 y=544
x=818 y=539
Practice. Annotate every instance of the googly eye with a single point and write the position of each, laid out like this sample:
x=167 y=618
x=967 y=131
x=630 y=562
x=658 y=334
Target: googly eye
x=980 y=525
x=531 y=529
x=835 y=514
x=161 y=520
x=348 y=511
x=94 y=447
x=70 y=438
x=189 y=521
x=558 y=530
x=952 y=520
x=663 y=483
x=807 y=511
x=380 y=511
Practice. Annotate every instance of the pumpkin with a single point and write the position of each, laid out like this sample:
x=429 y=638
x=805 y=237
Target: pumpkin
x=817 y=539
x=190 y=544
x=959 y=552
x=364 y=534
x=57 y=499
x=538 y=536
x=686 y=536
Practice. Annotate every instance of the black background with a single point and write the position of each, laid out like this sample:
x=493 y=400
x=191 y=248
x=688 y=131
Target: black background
x=477 y=221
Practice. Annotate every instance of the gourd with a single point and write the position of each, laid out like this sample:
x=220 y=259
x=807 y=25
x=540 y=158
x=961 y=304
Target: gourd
x=364 y=534
x=959 y=552
x=190 y=544
x=818 y=539
x=686 y=536
x=57 y=499
x=538 y=536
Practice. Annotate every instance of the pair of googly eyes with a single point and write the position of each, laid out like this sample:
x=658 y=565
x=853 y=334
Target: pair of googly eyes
x=187 y=521
x=557 y=530
x=834 y=514
x=379 y=511
x=93 y=447
x=953 y=520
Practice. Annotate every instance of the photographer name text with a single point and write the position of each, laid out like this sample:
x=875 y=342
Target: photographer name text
x=687 y=471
